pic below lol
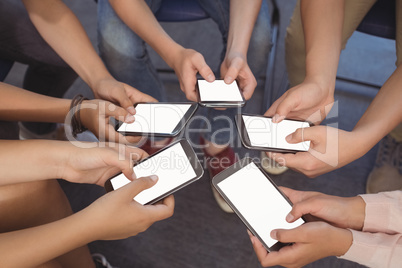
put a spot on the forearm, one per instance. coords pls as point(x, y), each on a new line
point(243, 15)
point(34, 246)
point(322, 25)
point(383, 114)
point(31, 160)
point(21, 105)
point(139, 18)
point(64, 33)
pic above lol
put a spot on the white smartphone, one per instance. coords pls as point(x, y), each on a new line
point(219, 94)
point(256, 199)
point(176, 166)
point(259, 133)
point(159, 119)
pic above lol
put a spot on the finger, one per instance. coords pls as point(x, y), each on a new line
point(135, 187)
point(289, 236)
point(259, 249)
point(119, 113)
point(304, 134)
point(309, 206)
point(288, 104)
point(122, 98)
point(137, 96)
point(233, 71)
point(189, 88)
point(162, 210)
point(272, 109)
point(132, 139)
point(202, 67)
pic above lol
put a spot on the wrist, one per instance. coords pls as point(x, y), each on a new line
point(358, 213)
point(326, 84)
point(343, 240)
point(170, 53)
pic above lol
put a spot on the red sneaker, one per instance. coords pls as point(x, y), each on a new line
point(150, 147)
point(215, 164)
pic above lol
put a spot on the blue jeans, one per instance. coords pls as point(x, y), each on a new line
point(126, 57)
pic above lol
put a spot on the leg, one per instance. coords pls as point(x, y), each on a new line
point(31, 204)
point(295, 49)
point(47, 73)
point(127, 59)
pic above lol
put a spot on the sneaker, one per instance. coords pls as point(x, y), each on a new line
point(216, 164)
point(57, 134)
point(271, 166)
point(101, 261)
point(387, 172)
point(150, 147)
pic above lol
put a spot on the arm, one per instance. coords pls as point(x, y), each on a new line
point(21, 105)
point(322, 24)
point(332, 148)
point(61, 29)
point(94, 164)
point(186, 62)
point(37, 245)
point(243, 15)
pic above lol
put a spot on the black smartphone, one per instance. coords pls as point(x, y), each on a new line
point(218, 94)
point(176, 166)
point(257, 132)
point(158, 119)
point(255, 198)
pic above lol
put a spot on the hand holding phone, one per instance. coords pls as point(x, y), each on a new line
point(218, 94)
point(176, 166)
point(259, 133)
point(256, 199)
point(159, 119)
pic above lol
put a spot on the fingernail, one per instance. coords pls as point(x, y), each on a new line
point(154, 177)
point(129, 118)
point(228, 79)
point(252, 240)
point(275, 118)
point(133, 176)
point(289, 137)
point(289, 217)
point(211, 78)
point(131, 110)
point(273, 234)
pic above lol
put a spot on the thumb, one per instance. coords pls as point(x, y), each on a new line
point(135, 187)
point(205, 71)
point(287, 105)
point(301, 135)
point(287, 236)
point(233, 70)
point(120, 114)
point(124, 101)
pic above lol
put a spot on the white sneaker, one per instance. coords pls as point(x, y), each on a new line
point(271, 166)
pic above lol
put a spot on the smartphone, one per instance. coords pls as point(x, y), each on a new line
point(219, 94)
point(259, 133)
point(158, 119)
point(176, 166)
point(256, 199)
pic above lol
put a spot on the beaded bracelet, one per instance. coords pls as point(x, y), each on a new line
point(76, 123)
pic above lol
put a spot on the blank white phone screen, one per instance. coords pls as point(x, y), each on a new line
point(258, 201)
point(156, 118)
point(219, 91)
point(263, 133)
point(172, 167)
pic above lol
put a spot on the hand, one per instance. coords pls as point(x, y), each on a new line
point(96, 114)
point(120, 93)
point(97, 164)
point(117, 216)
point(235, 67)
point(312, 241)
point(187, 64)
point(307, 101)
point(344, 212)
point(330, 148)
